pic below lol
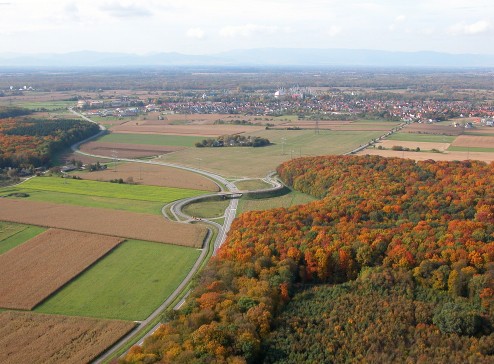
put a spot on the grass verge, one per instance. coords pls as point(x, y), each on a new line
point(252, 185)
point(207, 209)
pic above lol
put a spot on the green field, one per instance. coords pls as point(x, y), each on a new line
point(258, 162)
point(107, 189)
point(151, 139)
point(146, 207)
point(207, 209)
point(252, 185)
point(470, 149)
point(290, 199)
point(129, 283)
point(415, 137)
point(48, 105)
point(12, 234)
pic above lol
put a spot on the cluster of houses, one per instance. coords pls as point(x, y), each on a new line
point(299, 101)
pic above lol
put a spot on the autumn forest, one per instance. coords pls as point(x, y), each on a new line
point(393, 263)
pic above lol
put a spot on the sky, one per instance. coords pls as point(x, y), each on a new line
point(213, 26)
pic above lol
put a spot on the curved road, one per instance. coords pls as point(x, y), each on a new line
point(230, 213)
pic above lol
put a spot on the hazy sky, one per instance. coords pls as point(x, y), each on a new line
point(209, 26)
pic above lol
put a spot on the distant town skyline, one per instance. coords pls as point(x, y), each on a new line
point(207, 27)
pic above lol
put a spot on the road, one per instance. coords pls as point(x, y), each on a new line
point(230, 213)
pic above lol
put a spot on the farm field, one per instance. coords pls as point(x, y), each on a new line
point(110, 190)
point(134, 127)
point(434, 129)
point(129, 283)
point(207, 209)
point(416, 137)
point(471, 149)
point(290, 199)
point(48, 105)
point(12, 234)
point(102, 221)
point(445, 156)
point(150, 139)
point(121, 150)
point(148, 174)
point(27, 337)
point(210, 119)
point(474, 141)
point(342, 125)
point(146, 207)
point(258, 162)
point(388, 144)
point(34, 270)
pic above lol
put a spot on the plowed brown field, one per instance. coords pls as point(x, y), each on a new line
point(32, 338)
point(34, 270)
point(123, 150)
point(102, 221)
point(474, 141)
point(148, 174)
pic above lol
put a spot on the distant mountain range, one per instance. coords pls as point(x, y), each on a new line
point(272, 57)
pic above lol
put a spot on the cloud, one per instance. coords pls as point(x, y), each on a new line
point(334, 30)
point(196, 33)
point(72, 11)
point(248, 30)
point(400, 19)
point(129, 10)
point(480, 27)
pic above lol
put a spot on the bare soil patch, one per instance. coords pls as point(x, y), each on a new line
point(420, 156)
point(123, 150)
point(153, 175)
point(413, 145)
point(474, 141)
point(27, 337)
point(193, 130)
point(34, 270)
point(102, 221)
